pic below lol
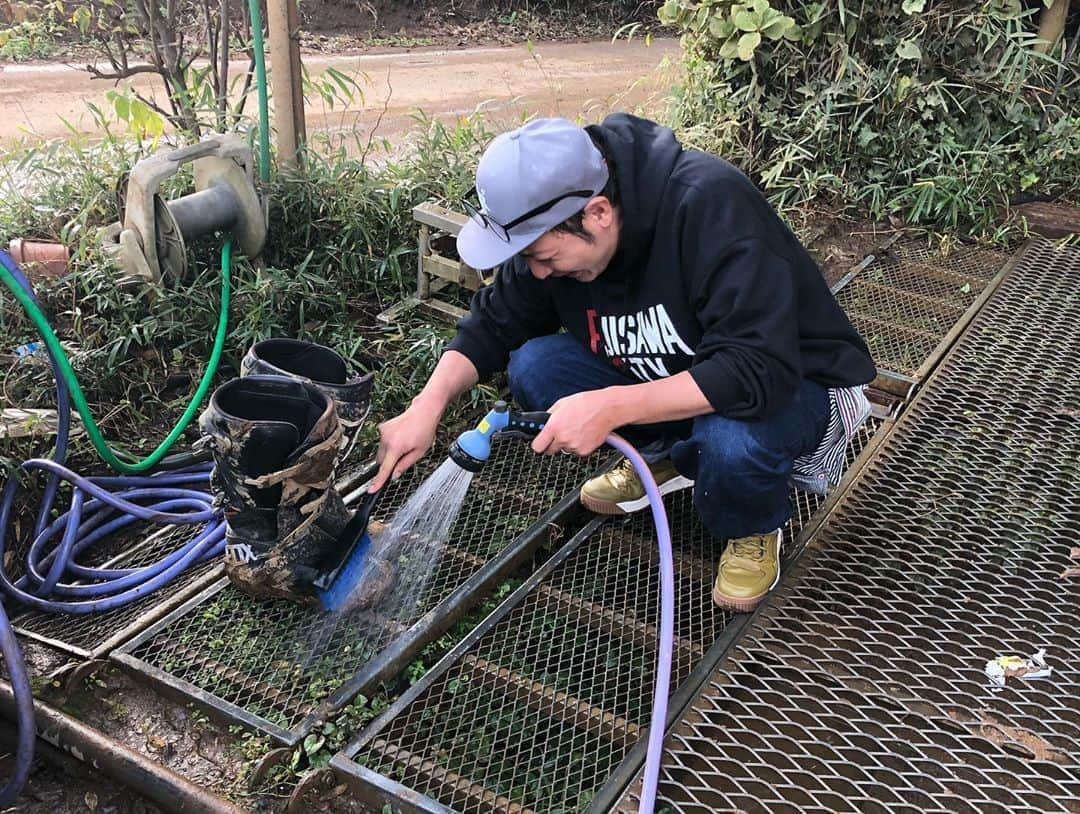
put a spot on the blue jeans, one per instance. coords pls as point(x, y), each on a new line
point(741, 469)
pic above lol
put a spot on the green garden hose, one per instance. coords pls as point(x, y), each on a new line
point(111, 457)
point(260, 82)
point(79, 400)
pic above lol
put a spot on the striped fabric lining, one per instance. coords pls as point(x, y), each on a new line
point(822, 468)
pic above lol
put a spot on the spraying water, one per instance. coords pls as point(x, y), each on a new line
point(403, 558)
point(415, 539)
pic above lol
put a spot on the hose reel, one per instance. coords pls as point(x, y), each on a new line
point(150, 242)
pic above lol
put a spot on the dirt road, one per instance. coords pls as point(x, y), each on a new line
point(568, 79)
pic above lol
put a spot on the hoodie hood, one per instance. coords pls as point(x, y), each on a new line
point(642, 152)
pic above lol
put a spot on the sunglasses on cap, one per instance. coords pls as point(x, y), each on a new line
point(502, 230)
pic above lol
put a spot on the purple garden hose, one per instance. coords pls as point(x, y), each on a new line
point(471, 451)
point(85, 523)
point(658, 723)
point(114, 502)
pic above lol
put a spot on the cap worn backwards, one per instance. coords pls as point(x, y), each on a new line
point(526, 170)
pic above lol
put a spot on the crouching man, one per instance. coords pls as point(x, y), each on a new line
point(651, 289)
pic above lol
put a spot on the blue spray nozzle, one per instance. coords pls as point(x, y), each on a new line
point(472, 448)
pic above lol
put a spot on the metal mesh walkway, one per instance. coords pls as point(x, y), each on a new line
point(909, 301)
point(541, 708)
point(282, 668)
point(860, 686)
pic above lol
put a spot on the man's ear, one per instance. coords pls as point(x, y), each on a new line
point(601, 211)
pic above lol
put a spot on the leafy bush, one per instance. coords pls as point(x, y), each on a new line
point(30, 31)
point(937, 110)
point(27, 40)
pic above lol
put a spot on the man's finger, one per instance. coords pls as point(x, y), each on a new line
point(386, 467)
point(543, 440)
point(403, 464)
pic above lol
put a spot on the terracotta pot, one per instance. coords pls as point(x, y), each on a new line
point(38, 259)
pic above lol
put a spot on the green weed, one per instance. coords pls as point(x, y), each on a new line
point(27, 40)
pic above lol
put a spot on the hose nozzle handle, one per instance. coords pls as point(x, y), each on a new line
point(525, 424)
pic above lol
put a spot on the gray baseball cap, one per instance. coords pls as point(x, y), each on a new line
point(528, 181)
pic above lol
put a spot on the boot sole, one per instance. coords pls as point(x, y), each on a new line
point(738, 605)
point(631, 506)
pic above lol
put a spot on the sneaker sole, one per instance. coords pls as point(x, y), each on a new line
point(631, 506)
point(738, 605)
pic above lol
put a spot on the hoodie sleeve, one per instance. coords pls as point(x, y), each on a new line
point(748, 362)
point(502, 316)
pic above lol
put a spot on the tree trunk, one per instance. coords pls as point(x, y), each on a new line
point(1052, 25)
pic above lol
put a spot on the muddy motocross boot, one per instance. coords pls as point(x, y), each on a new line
point(317, 365)
point(275, 443)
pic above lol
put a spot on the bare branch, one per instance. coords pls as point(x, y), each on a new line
point(122, 73)
point(155, 107)
point(248, 79)
point(378, 121)
point(223, 71)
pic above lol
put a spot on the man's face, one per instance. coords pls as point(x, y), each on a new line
point(561, 254)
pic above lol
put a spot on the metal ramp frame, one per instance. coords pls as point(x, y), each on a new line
point(860, 686)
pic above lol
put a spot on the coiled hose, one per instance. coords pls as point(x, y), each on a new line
point(99, 507)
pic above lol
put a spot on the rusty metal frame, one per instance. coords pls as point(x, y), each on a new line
point(74, 739)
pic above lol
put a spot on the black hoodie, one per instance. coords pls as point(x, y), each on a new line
point(706, 278)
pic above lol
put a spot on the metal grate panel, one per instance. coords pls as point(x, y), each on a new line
point(544, 702)
point(273, 664)
point(860, 686)
point(908, 299)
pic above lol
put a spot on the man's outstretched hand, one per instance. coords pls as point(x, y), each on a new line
point(403, 441)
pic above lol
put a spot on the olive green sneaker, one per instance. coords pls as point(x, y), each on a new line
point(620, 490)
point(749, 568)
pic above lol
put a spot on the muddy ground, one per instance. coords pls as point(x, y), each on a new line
point(180, 737)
